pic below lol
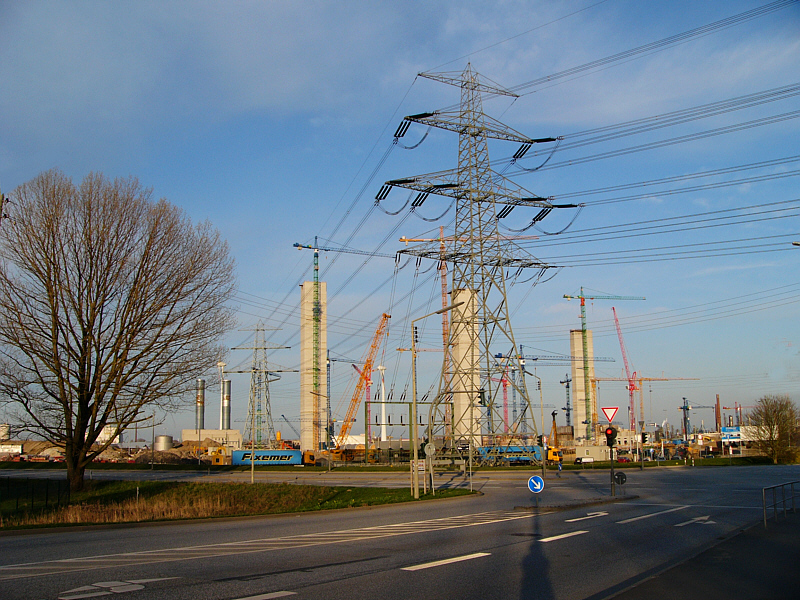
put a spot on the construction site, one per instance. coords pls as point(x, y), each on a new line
point(485, 405)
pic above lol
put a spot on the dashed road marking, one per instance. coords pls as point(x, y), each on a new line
point(647, 516)
point(250, 546)
point(563, 536)
point(446, 561)
point(269, 596)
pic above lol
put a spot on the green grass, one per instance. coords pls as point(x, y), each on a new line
point(131, 501)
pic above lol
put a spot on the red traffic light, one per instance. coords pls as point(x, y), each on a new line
point(611, 436)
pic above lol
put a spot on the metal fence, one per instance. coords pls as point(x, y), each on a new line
point(28, 495)
point(779, 499)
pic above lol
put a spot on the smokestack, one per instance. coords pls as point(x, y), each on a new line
point(226, 404)
point(200, 406)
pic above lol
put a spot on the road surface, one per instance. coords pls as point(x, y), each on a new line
point(581, 543)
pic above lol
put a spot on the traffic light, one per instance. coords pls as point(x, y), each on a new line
point(645, 437)
point(540, 440)
point(611, 436)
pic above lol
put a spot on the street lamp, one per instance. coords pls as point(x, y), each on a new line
point(413, 440)
point(541, 404)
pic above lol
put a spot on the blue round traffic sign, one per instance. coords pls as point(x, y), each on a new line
point(536, 484)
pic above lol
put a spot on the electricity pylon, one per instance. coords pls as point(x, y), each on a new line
point(260, 429)
point(480, 326)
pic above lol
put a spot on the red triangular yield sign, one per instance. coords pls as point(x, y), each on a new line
point(609, 412)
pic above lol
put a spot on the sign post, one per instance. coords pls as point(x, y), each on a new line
point(536, 485)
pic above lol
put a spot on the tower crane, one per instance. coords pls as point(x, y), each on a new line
point(737, 409)
point(443, 279)
point(639, 383)
point(567, 409)
point(590, 408)
point(316, 354)
point(686, 408)
point(631, 377)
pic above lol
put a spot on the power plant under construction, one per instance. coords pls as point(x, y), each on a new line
point(480, 408)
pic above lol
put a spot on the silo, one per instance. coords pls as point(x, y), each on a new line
point(200, 406)
point(226, 403)
point(163, 443)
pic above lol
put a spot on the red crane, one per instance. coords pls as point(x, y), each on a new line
point(631, 387)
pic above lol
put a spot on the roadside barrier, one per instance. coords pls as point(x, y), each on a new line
point(778, 502)
point(28, 495)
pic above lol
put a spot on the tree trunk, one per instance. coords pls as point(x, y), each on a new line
point(75, 478)
point(75, 473)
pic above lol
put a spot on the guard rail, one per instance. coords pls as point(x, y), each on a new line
point(776, 501)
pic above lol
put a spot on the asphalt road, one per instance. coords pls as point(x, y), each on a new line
point(492, 546)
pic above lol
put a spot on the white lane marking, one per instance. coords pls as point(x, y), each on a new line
point(270, 595)
point(562, 536)
point(259, 545)
point(106, 588)
point(446, 561)
point(701, 520)
point(647, 516)
point(591, 515)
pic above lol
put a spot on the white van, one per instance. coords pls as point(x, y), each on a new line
point(584, 460)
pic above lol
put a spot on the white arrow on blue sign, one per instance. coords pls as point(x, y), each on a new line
point(536, 484)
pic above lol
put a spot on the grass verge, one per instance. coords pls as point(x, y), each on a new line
point(131, 501)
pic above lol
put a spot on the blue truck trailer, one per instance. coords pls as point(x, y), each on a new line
point(272, 457)
point(509, 454)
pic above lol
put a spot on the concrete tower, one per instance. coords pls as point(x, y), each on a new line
point(584, 405)
point(313, 353)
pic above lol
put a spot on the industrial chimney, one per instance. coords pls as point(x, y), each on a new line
point(226, 404)
point(200, 406)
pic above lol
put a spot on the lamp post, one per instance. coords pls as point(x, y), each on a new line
point(413, 436)
point(541, 405)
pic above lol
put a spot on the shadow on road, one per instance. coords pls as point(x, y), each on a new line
point(535, 567)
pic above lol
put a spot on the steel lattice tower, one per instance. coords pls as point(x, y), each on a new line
point(481, 347)
point(259, 427)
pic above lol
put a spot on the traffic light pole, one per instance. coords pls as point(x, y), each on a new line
point(611, 454)
point(543, 451)
point(611, 438)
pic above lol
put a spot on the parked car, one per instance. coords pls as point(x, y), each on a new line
point(623, 459)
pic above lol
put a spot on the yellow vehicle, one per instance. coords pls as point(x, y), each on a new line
point(554, 455)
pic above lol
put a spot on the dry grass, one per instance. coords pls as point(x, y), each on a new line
point(127, 502)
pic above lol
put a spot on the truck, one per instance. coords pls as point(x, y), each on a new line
point(509, 454)
point(554, 455)
point(273, 457)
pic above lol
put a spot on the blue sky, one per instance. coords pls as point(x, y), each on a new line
point(271, 119)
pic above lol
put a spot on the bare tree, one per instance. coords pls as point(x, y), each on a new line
point(774, 421)
point(110, 304)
